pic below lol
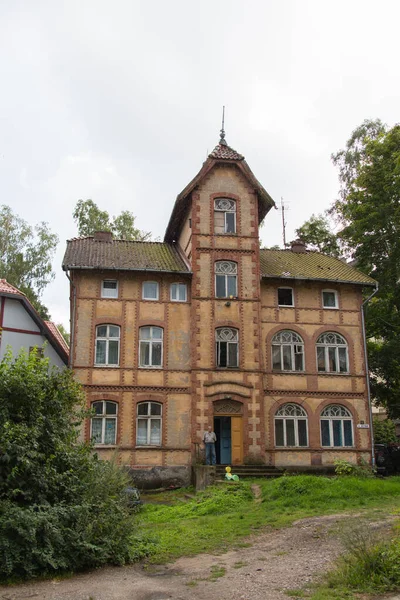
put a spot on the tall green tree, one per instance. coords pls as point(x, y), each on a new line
point(26, 255)
point(368, 211)
point(318, 235)
point(89, 218)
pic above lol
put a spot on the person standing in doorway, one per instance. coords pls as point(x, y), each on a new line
point(209, 440)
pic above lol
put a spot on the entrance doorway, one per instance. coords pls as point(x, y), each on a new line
point(229, 445)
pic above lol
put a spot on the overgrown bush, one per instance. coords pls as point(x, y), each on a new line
point(345, 468)
point(60, 507)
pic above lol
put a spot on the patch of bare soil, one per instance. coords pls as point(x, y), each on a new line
point(274, 562)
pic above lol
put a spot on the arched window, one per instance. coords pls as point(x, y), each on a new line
point(104, 423)
point(150, 346)
point(107, 345)
point(287, 351)
point(149, 421)
point(227, 347)
point(224, 215)
point(332, 354)
point(336, 426)
point(291, 426)
point(225, 279)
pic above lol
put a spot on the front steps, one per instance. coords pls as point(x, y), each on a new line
point(249, 471)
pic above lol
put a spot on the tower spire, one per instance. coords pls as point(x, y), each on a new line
point(222, 140)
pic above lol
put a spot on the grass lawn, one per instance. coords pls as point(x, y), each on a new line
point(223, 515)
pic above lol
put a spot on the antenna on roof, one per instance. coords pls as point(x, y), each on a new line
point(222, 140)
point(282, 208)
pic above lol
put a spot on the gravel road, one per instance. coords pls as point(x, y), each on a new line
point(275, 561)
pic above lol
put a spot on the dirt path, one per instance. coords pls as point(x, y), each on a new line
point(276, 561)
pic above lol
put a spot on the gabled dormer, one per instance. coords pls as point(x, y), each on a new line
point(224, 199)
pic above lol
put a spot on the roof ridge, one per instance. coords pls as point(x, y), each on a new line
point(91, 237)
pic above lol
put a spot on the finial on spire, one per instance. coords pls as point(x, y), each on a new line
point(222, 140)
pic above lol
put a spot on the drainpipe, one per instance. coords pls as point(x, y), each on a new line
point(71, 349)
point(367, 373)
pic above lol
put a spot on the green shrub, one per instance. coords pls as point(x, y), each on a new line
point(384, 431)
point(344, 468)
point(61, 508)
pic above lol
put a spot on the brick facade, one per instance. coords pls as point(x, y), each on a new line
point(190, 388)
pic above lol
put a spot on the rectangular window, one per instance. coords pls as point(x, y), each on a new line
point(342, 360)
point(276, 358)
point(230, 222)
point(220, 286)
point(287, 358)
point(329, 299)
point(325, 436)
point(290, 439)
point(141, 436)
point(227, 354)
point(109, 434)
point(97, 430)
point(321, 358)
point(332, 359)
point(38, 349)
point(113, 347)
point(150, 290)
point(109, 289)
point(302, 432)
point(178, 292)
point(348, 435)
point(279, 432)
point(337, 433)
point(285, 297)
point(155, 431)
point(101, 352)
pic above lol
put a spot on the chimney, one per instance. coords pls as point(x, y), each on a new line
point(298, 246)
point(103, 236)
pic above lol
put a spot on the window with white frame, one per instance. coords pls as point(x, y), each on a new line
point(150, 290)
point(227, 347)
point(224, 215)
point(285, 297)
point(148, 424)
point(225, 279)
point(287, 351)
point(109, 288)
point(291, 426)
point(332, 353)
point(150, 346)
point(330, 299)
point(336, 427)
point(104, 422)
point(107, 345)
point(178, 292)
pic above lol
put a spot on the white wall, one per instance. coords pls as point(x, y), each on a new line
point(16, 317)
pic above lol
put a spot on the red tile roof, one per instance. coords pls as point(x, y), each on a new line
point(7, 288)
point(58, 335)
point(47, 328)
point(225, 152)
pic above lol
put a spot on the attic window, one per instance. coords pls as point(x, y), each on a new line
point(285, 297)
point(109, 289)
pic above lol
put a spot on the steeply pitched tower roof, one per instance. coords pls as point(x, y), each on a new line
point(222, 153)
point(225, 152)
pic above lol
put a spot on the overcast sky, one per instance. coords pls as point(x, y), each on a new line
point(120, 101)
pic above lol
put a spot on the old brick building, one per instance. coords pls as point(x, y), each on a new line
point(206, 328)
